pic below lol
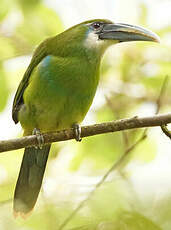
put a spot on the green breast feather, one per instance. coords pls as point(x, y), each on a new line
point(59, 93)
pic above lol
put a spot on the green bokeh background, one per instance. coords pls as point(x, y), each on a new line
point(131, 79)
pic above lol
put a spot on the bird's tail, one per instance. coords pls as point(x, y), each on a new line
point(30, 179)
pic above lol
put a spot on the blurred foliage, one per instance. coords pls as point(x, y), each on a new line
point(42, 18)
point(132, 79)
point(4, 90)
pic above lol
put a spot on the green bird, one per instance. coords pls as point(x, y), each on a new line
point(57, 90)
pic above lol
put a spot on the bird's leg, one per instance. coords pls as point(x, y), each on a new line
point(39, 137)
point(77, 131)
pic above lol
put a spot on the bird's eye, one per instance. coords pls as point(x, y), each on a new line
point(96, 25)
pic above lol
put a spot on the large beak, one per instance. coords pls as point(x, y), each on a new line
point(125, 32)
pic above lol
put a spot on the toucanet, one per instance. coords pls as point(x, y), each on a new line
point(57, 90)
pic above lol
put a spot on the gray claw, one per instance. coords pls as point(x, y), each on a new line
point(39, 137)
point(77, 131)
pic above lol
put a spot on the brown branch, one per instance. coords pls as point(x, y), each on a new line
point(161, 95)
point(166, 131)
point(91, 130)
point(164, 127)
point(124, 134)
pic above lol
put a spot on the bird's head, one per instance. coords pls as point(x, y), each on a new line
point(99, 34)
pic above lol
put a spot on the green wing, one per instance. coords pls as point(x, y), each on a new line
point(39, 54)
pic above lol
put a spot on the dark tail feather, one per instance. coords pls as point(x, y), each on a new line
point(30, 179)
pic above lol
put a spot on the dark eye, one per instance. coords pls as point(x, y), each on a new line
point(96, 25)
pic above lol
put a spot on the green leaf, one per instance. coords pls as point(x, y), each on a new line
point(7, 49)
point(39, 24)
point(5, 6)
point(28, 5)
point(4, 91)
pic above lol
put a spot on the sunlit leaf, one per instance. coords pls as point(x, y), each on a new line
point(4, 91)
point(39, 24)
point(4, 8)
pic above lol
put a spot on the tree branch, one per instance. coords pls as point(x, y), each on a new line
point(113, 126)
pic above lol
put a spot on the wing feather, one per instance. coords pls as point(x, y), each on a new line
point(38, 55)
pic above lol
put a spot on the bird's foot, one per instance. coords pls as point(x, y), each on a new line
point(39, 137)
point(77, 131)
